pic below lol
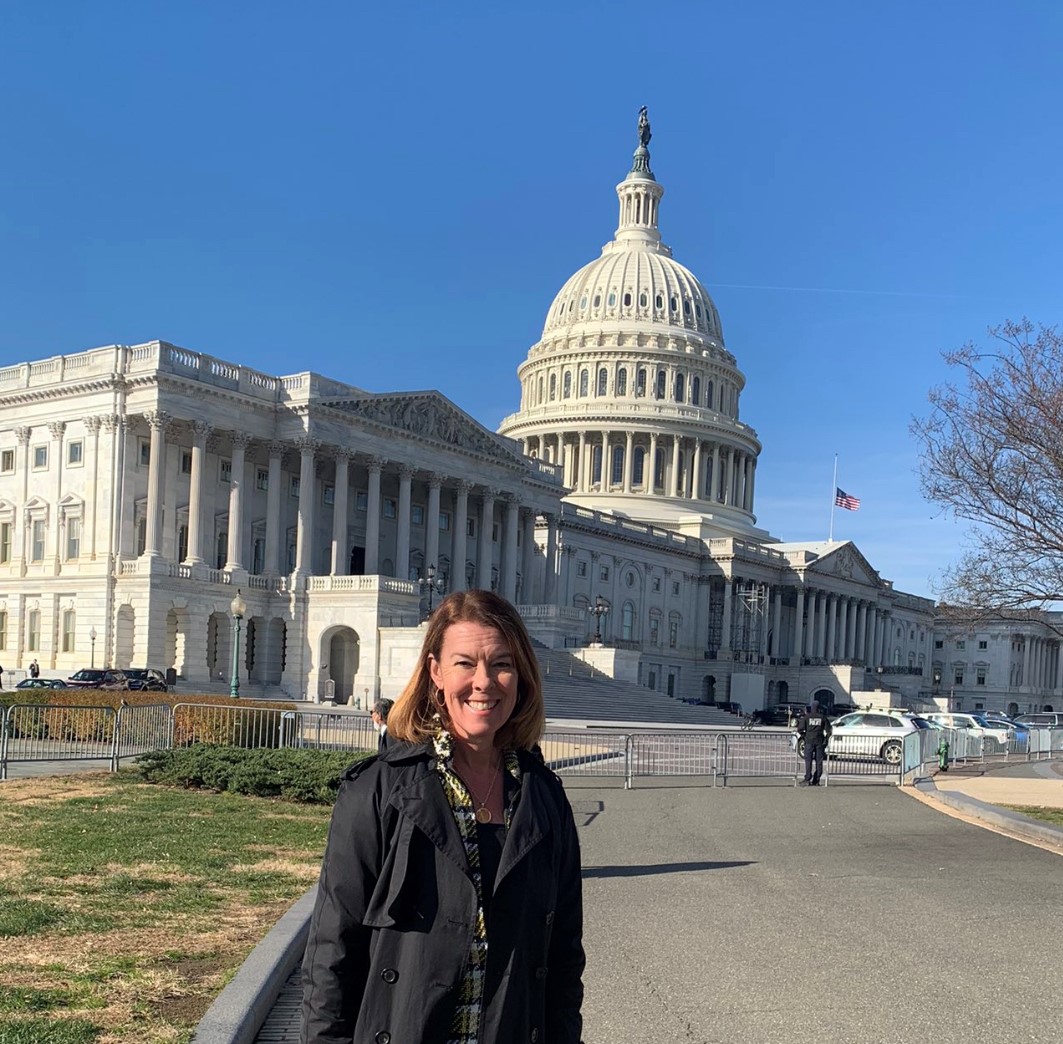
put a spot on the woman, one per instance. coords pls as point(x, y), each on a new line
point(449, 907)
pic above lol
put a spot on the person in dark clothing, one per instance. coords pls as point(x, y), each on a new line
point(35, 669)
point(814, 728)
point(449, 908)
point(380, 723)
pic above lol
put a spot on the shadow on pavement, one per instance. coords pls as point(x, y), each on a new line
point(649, 869)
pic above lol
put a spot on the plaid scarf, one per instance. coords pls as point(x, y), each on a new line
point(465, 1029)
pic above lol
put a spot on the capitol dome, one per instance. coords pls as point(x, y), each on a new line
point(630, 388)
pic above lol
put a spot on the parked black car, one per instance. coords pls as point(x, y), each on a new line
point(145, 679)
point(781, 714)
point(97, 678)
point(41, 683)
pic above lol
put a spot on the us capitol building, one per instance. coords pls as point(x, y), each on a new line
point(141, 486)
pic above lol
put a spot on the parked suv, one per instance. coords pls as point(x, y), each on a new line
point(868, 734)
point(97, 678)
point(780, 714)
point(1043, 718)
point(145, 679)
point(995, 735)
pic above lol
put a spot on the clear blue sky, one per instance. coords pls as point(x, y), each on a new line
point(392, 195)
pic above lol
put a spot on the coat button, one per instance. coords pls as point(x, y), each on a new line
point(550, 917)
point(390, 976)
point(540, 973)
point(534, 1036)
point(383, 1037)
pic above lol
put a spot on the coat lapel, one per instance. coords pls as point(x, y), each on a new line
point(425, 805)
point(529, 826)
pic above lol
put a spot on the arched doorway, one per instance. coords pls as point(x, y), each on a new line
point(708, 689)
point(824, 697)
point(124, 633)
point(176, 652)
point(783, 692)
point(339, 657)
point(219, 629)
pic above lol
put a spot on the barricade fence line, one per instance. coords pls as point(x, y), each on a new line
point(43, 732)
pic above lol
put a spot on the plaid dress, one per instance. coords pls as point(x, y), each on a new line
point(465, 1029)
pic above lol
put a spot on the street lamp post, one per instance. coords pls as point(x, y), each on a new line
point(433, 583)
point(599, 609)
point(238, 607)
point(92, 647)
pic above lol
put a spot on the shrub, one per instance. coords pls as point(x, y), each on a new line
point(297, 775)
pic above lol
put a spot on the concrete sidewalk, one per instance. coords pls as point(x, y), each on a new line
point(1038, 784)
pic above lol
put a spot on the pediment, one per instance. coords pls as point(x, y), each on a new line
point(847, 563)
point(431, 416)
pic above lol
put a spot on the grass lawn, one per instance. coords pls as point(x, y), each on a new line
point(125, 907)
point(1047, 815)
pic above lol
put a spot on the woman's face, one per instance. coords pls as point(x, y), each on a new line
point(478, 677)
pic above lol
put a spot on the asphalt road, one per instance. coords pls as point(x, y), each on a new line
point(762, 914)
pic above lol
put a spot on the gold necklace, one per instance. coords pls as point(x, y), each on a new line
point(482, 812)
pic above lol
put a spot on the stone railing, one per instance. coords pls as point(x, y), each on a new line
point(552, 612)
point(360, 583)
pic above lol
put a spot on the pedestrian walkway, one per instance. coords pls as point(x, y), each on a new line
point(772, 914)
point(1037, 784)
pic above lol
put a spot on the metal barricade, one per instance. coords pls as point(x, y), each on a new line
point(588, 754)
point(327, 730)
point(757, 753)
point(674, 754)
point(40, 732)
point(140, 729)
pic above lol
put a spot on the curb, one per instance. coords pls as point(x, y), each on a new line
point(1003, 818)
point(241, 1008)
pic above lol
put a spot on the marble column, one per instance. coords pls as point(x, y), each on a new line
point(676, 448)
point(812, 637)
point(750, 483)
point(57, 429)
point(832, 606)
point(649, 469)
point(714, 487)
point(509, 549)
point(274, 563)
point(431, 522)
point(698, 475)
point(582, 485)
point(402, 528)
point(861, 632)
point(92, 426)
point(740, 496)
point(729, 481)
point(458, 580)
point(234, 553)
point(843, 628)
point(341, 558)
point(629, 453)
point(527, 564)
point(550, 578)
point(201, 431)
point(725, 623)
point(158, 421)
point(374, 466)
point(304, 539)
point(486, 555)
point(799, 623)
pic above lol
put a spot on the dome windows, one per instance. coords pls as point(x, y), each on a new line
point(658, 302)
point(566, 386)
point(680, 387)
point(621, 381)
point(553, 386)
point(695, 390)
point(686, 306)
point(584, 383)
point(627, 299)
point(596, 303)
point(611, 299)
point(603, 382)
point(674, 303)
point(640, 382)
point(662, 379)
point(643, 299)
point(583, 303)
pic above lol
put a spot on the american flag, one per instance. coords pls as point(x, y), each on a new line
point(844, 500)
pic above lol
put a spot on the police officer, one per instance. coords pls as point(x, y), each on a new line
point(814, 728)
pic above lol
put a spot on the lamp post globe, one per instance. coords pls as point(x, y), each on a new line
point(92, 647)
point(238, 608)
point(599, 609)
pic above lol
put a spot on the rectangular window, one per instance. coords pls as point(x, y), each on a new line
point(33, 630)
point(293, 487)
point(983, 644)
point(328, 494)
point(655, 631)
point(225, 470)
point(40, 458)
point(37, 548)
point(182, 543)
point(656, 583)
point(68, 631)
point(980, 676)
point(961, 645)
point(75, 453)
point(144, 452)
point(73, 538)
point(581, 569)
point(142, 536)
point(673, 634)
point(3, 629)
point(939, 644)
point(470, 527)
point(391, 509)
point(603, 573)
point(186, 462)
point(417, 514)
point(494, 532)
point(7, 462)
point(5, 541)
point(262, 480)
point(361, 500)
point(444, 521)
point(958, 676)
point(675, 588)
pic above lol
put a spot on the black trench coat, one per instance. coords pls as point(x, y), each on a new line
point(393, 923)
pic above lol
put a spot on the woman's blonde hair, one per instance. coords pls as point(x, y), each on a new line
point(412, 717)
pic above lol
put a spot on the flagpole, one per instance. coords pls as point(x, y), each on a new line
point(833, 497)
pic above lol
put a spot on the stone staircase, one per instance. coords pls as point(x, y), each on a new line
point(575, 691)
